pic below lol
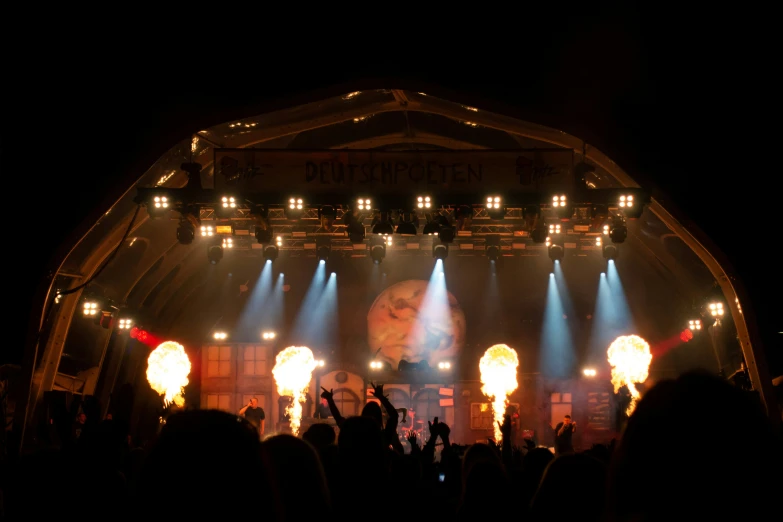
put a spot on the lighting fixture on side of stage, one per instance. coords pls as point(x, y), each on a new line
point(268, 336)
point(618, 231)
point(694, 324)
point(228, 242)
point(226, 206)
point(444, 365)
point(364, 204)
point(376, 365)
point(91, 308)
point(188, 222)
point(495, 208)
point(215, 254)
point(493, 246)
point(423, 202)
point(561, 205)
point(323, 248)
point(598, 241)
point(589, 372)
point(125, 323)
point(625, 201)
point(320, 363)
point(158, 205)
point(207, 231)
point(554, 229)
point(715, 309)
point(220, 336)
point(294, 208)
point(605, 230)
point(440, 251)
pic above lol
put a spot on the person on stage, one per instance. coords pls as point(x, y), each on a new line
point(564, 433)
point(255, 415)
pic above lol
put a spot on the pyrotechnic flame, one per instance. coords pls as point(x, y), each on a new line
point(168, 368)
point(293, 370)
point(630, 358)
point(498, 369)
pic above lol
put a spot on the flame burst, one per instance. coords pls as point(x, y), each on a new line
point(168, 368)
point(498, 368)
point(630, 358)
point(293, 370)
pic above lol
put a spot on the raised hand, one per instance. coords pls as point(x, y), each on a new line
point(412, 438)
point(435, 427)
point(326, 394)
point(377, 390)
point(505, 427)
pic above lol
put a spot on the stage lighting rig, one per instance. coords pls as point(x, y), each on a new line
point(207, 231)
point(408, 223)
point(589, 372)
point(556, 252)
point(495, 208)
point(364, 204)
point(188, 222)
point(493, 246)
point(268, 336)
point(610, 252)
point(215, 254)
point(444, 365)
point(228, 242)
point(618, 231)
point(555, 229)
point(294, 209)
point(376, 365)
point(605, 230)
point(226, 206)
point(91, 308)
point(561, 205)
point(715, 309)
point(598, 241)
point(424, 203)
point(158, 205)
point(327, 214)
point(631, 203)
point(271, 252)
point(378, 248)
point(440, 251)
point(323, 248)
point(381, 224)
point(220, 336)
point(695, 325)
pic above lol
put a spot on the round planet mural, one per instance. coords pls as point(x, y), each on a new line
point(401, 325)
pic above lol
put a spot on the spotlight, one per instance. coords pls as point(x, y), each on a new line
point(495, 209)
point(376, 365)
point(363, 204)
point(207, 231)
point(424, 202)
point(263, 235)
point(409, 224)
point(554, 229)
point(271, 252)
point(220, 336)
point(618, 232)
point(389, 241)
point(625, 201)
point(279, 241)
point(295, 208)
point(125, 324)
point(694, 324)
point(228, 242)
point(715, 309)
point(215, 254)
point(381, 224)
point(631, 205)
point(90, 309)
point(440, 251)
point(561, 205)
point(610, 252)
point(320, 363)
point(598, 241)
point(444, 365)
point(268, 336)
point(158, 205)
point(378, 249)
point(605, 230)
point(323, 249)
point(589, 372)
point(556, 252)
point(226, 206)
point(493, 246)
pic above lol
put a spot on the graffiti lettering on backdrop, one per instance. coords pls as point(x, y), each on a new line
point(404, 172)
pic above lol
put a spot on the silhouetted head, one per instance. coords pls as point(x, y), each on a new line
point(373, 411)
point(361, 443)
point(535, 462)
point(477, 453)
point(198, 449)
point(298, 473)
point(320, 435)
point(579, 478)
point(696, 446)
point(486, 480)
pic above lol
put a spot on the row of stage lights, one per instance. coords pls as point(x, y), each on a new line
point(611, 226)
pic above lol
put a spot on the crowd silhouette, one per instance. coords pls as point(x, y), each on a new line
point(694, 447)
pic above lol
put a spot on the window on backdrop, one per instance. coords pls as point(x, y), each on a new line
point(219, 361)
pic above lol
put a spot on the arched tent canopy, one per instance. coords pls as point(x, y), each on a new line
point(159, 278)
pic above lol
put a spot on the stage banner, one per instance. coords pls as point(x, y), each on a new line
point(401, 172)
